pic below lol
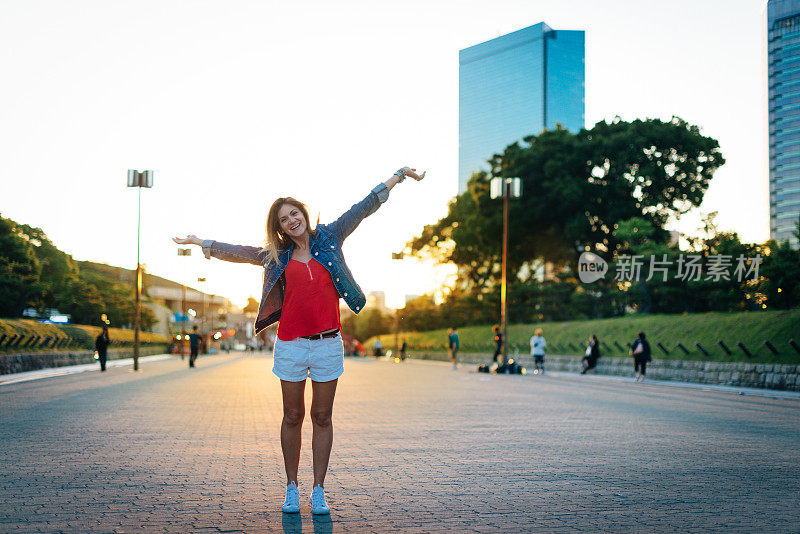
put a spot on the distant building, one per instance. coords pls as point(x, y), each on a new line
point(166, 299)
point(377, 300)
point(516, 85)
point(206, 308)
point(783, 102)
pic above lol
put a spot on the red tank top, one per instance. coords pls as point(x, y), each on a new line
point(311, 302)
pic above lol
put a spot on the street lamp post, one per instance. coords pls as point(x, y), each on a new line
point(183, 252)
point(396, 256)
point(506, 188)
point(211, 317)
point(203, 325)
point(139, 180)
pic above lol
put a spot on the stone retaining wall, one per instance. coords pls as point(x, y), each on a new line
point(753, 375)
point(33, 361)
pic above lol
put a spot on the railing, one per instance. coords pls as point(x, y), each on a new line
point(614, 348)
point(617, 349)
point(36, 342)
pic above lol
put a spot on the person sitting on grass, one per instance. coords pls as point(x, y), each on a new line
point(592, 354)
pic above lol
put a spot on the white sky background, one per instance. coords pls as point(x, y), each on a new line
point(234, 103)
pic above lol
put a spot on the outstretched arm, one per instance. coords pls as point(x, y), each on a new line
point(402, 174)
point(349, 221)
point(225, 251)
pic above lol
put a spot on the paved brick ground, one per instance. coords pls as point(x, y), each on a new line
point(418, 447)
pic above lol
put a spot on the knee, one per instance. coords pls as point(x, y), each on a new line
point(322, 419)
point(292, 417)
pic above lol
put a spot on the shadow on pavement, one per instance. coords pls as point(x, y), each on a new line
point(322, 524)
point(292, 523)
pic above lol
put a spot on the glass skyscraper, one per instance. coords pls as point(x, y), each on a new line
point(783, 75)
point(517, 85)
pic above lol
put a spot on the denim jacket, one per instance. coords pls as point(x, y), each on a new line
point(326, 248)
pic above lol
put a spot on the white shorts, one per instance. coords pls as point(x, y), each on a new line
point(321, 359)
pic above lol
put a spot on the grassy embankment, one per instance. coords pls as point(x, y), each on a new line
point(66, 337)
point(751, 328)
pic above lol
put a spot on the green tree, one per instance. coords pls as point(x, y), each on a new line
point(57, 267)
point(251, 306)
point(20, 272)
point(420, 313)
point(116, 298)
point(577, 188)
point(82, 301)
point(674, 291)
point(780, 275)
point(34, 272)
point(368, 323)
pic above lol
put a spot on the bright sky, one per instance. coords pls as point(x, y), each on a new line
point(234, 103)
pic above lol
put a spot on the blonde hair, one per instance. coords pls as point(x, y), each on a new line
point(277, 241)
point(538, 332)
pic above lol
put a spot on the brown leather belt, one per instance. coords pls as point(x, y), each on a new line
point(321, 336)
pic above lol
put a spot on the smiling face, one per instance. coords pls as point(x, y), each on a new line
point(291, 221)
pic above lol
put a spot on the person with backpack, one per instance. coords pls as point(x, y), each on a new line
point(453, 345)
point(640, 350)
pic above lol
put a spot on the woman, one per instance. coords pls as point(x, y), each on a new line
point(592, 354)
point(538, 344)
point(101, 346)
point(305, 275)
point(640, 350)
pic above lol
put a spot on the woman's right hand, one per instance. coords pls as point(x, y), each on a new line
point(188, 240)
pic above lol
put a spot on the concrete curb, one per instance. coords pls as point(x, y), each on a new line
point(73, 369)
point(732, 374)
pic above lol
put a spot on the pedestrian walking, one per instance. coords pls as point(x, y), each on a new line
point(498, 343)
point(592, 354)
point(101, 347)
point(377, 347)
point(194, 345)
point(640, 350)
point(538, 344)
point(403, 348)
point(305, 275)
point(453, 345)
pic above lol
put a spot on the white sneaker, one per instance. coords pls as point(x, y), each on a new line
point(292, 503)
point(318, 504)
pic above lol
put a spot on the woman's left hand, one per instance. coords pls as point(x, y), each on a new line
point(412, 173)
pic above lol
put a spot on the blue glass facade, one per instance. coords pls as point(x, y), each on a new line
point(783, 71)
point(517, 85)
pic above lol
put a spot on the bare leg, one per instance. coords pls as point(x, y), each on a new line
point(322, 437)
point(292, 425)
